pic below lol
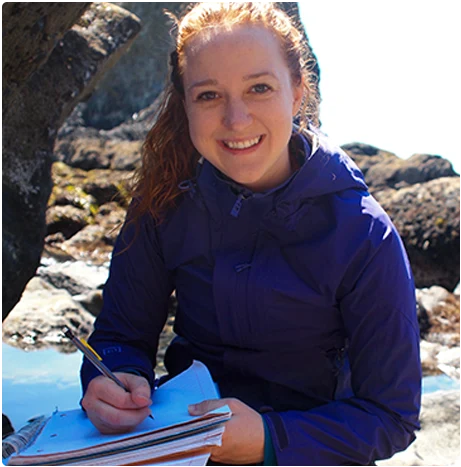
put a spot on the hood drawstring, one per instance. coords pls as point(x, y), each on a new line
point(192, 190)
point(188, 185)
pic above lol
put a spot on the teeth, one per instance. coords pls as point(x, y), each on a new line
point(242, 144)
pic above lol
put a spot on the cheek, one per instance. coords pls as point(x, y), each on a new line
point(200, 124)
point(193, 126)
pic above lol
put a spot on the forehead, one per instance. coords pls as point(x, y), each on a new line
point(225, 49)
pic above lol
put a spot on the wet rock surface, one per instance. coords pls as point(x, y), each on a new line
point(55, 55)
point(427, 218)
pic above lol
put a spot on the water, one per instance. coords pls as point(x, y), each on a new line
point(36, 383)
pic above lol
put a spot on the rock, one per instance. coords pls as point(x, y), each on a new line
point(76, 277)
point(85, 213)
point(90, 244)
point(91, 301)
point(383, 169)
point(67, 220)
point(7, 427)
point(41, 314)
point(99, 236)
point(148, 56)
point(107, 186)
point(456, 291)
point(441, 309)
point(427, 218)
point(438, 441)
point(89, 189)
point(430, 298)
point(39, 317)
point(429, 352)
point(449, 362)
point(99, 152)
point(47, 74)
point(33, 31)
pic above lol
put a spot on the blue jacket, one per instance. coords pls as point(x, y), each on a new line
point(299, 300)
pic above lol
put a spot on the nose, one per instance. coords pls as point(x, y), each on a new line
point(237, 115)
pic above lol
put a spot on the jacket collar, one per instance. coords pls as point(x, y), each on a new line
point(326, 169)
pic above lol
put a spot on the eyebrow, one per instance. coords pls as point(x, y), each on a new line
point(214, 82)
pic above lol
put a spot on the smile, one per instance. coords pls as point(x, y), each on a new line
point(242, 144)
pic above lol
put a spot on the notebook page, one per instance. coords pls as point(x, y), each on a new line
point(73, 431)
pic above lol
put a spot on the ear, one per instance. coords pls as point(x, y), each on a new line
point(298, 94)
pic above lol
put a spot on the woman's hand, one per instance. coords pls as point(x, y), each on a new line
point(112, 409)
point(243, 439)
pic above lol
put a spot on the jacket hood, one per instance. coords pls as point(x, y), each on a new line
point(326, 169)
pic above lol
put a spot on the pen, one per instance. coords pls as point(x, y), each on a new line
point(94, 358)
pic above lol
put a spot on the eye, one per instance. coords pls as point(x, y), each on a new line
point(261, 88)
point(207, 96)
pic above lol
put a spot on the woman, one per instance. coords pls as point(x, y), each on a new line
point(293, 286)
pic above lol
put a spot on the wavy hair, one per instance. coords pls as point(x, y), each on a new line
point(168, 155)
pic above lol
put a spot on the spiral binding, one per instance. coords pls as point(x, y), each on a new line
point(16, 442)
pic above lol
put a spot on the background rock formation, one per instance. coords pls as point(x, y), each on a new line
point(427, 217)
point(383, 169)
point(47, 69)
point(139, 76)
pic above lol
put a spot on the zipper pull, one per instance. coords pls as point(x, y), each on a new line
point(237, 205)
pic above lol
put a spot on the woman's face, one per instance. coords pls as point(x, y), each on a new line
point(240, 102)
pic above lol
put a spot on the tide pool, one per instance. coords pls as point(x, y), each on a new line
point(38, 382)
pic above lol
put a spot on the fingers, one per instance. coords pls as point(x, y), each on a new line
point(114, 410)
point(104, 389)
point(109, 419)
point(212, 404)
point(139, 389)
point(243, 438)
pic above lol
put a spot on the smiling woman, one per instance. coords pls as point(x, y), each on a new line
point(240, 102)
point(292, 283)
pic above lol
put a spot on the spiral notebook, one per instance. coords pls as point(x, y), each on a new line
point(69, 437)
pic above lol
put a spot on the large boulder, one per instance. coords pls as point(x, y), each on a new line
point(48, 68)
point(148, 56)
point(39, 317)
point(384, 169)
point(427, 217)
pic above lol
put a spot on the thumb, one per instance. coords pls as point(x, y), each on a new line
point(206, 406)
point(140, 390)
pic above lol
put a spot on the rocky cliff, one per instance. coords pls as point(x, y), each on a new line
point(53, 56)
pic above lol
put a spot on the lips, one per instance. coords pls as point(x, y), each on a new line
point(242, 143)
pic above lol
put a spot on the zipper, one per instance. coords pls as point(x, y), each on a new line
point(235, 211)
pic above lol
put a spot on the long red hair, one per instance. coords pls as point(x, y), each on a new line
point(168, 155)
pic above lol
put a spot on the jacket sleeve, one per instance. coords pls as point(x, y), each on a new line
point(136, 296)
point(379, 314)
